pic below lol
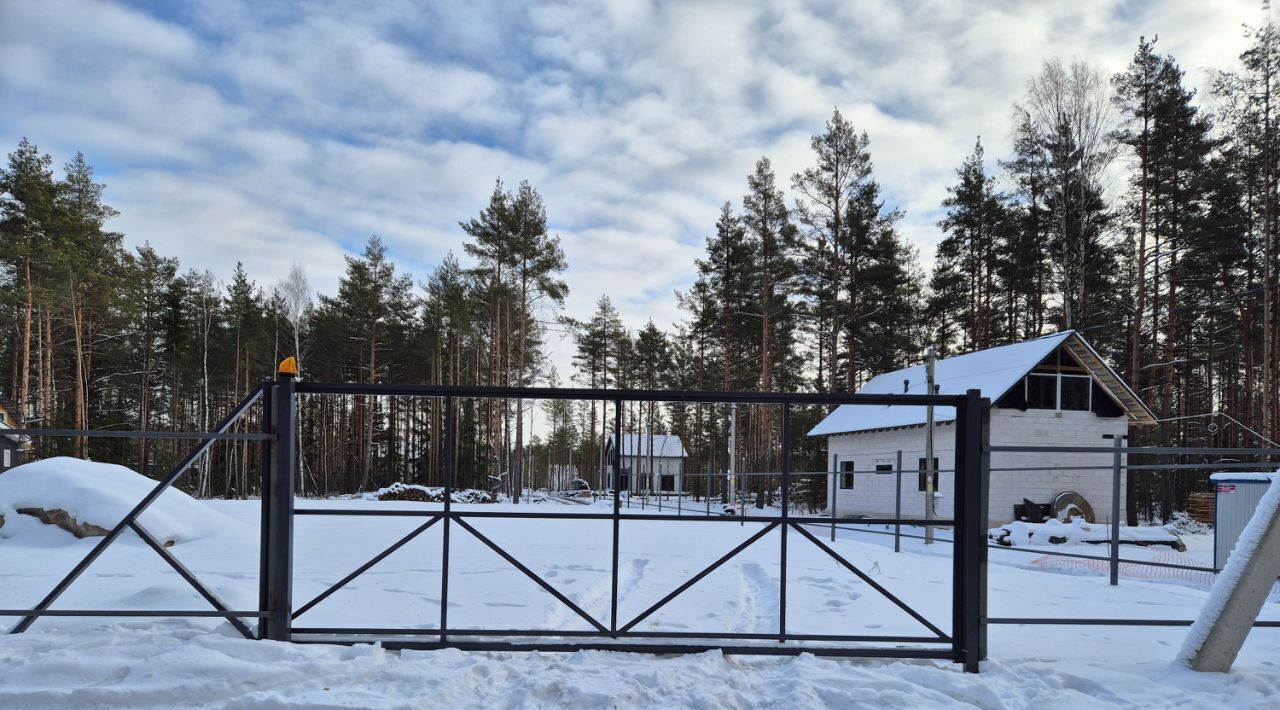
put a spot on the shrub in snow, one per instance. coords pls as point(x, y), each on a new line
point(424, 494)
point(87, 498)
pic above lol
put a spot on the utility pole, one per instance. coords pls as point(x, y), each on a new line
point(930, 358)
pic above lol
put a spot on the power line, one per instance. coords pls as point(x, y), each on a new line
point(1202, 305)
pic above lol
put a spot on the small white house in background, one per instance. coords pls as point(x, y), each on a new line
point(665, 468)
point(1051, 391)
point(12, 446)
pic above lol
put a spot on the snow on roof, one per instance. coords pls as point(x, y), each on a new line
point(993, 371)
point(1244, 476)
point(664, 445)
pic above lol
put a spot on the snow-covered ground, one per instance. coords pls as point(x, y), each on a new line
point(65, 662)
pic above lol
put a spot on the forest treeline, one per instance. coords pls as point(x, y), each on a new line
point(1130, 208)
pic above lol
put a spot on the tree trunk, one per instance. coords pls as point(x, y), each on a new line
point(24, 382)
point(78, 403)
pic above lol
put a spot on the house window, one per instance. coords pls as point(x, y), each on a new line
point(884, 468)
point(1075, 393)
point(846, 475)
point(1042, 391)
point(8, 458)
point(922, 475)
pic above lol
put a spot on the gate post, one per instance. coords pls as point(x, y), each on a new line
point(264, 493)
point(279, 530)
point(449, 433)
point(973, 464)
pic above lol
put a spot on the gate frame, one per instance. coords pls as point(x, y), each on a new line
point(966, 643)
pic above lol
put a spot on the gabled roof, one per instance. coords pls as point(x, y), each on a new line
point(664, 445)
point(994, 371)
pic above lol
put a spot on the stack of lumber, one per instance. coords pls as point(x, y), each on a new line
point(1200, 507)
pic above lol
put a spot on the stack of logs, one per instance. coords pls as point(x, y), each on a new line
point(1200, 507)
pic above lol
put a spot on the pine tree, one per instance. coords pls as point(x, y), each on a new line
point(150, 277)
point(88, 260)
point(1136, 97)
point(966, 290)
point(842, 165)
point(596, 359)
point(1025, 268)
point(651, 361)
point(371, 312)
point(772, 239)
point(27, 199)
point(536, 262)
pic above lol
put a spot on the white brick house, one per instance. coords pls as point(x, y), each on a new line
point(1051, 391)
point(664, 468)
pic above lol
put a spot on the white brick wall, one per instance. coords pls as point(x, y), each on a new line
point(873, 494)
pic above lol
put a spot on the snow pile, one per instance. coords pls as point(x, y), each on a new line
point(1246, 545)
point(100, 495)
point(1056, 532)
point(173, 665)
point(428, 494)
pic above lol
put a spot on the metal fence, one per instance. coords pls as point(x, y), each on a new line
point(964, 641)
point(1122, 464)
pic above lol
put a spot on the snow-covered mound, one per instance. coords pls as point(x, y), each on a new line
point(426, 494)
point(101, 494)
point(1056, 532)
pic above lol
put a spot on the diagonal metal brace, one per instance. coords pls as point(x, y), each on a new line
point(187, 574)
point(364, 567)
point(142, 505)
point(698, 577)
point(874, 585)
point(530, 574)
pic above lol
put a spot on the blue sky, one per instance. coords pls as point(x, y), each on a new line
point(275, 132)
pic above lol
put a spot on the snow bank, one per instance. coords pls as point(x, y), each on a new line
point(101, 494)
point(171, 665)
point(1239, 559)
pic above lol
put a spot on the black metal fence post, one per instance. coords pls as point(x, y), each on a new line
point(264, 490)
point(1115, 513)
point(969, 599)
point(448, 511)
point(897, 504)
point(833, 484)
point(983, 496)
point(786, 513)
point(280, 514)
point(617, 468)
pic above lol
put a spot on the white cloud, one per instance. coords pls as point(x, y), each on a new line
point(270, 133)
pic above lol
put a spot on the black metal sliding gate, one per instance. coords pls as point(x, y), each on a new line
point(964, 643)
